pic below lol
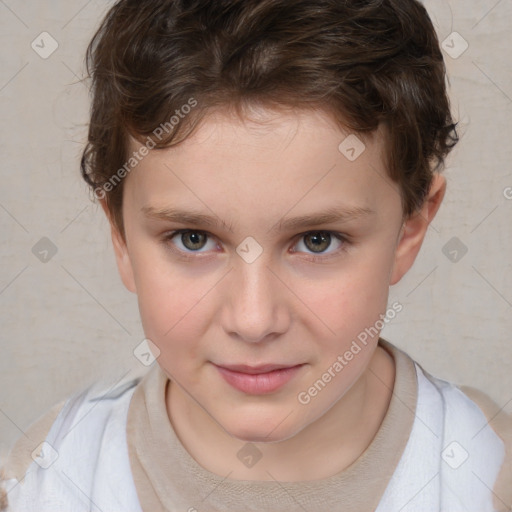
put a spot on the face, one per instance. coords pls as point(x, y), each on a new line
point(228, 269)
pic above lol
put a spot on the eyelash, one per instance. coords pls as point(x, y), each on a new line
point(311, 257)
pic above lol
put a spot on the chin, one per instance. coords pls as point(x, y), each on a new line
point(259, 428)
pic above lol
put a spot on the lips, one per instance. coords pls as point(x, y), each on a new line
point(258, 380)
point(254, 370)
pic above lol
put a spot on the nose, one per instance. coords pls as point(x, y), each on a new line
point(256, 307)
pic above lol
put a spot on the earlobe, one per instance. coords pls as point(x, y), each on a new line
point(124, 264)
point(414, 229)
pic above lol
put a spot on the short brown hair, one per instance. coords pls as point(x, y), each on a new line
point(365, 62)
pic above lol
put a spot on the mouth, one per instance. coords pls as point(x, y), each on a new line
point(257, 380)
point(254, 370)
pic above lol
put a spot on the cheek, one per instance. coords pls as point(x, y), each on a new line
point(167, 296)
point(171, 311)
point(351, 299)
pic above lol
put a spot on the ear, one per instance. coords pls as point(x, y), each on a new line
point(414, 229)
point(124, 264)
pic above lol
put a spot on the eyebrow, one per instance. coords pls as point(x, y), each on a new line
point(331, 215)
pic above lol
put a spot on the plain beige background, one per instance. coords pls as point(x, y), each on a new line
point(69, 321)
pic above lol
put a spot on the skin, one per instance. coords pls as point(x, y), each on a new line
point(214, 307)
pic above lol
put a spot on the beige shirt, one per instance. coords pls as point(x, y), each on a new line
point(167, 478)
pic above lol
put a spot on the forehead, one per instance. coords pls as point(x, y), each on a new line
point(270, 127)
point(273, 162)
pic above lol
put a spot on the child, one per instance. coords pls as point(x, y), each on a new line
point(269, 169)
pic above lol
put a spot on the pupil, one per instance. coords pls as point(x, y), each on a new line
point(318, 239)
point(194, 237)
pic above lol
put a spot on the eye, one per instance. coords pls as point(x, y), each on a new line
point(193, 241)
point(318, 241)
point(190, 240)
